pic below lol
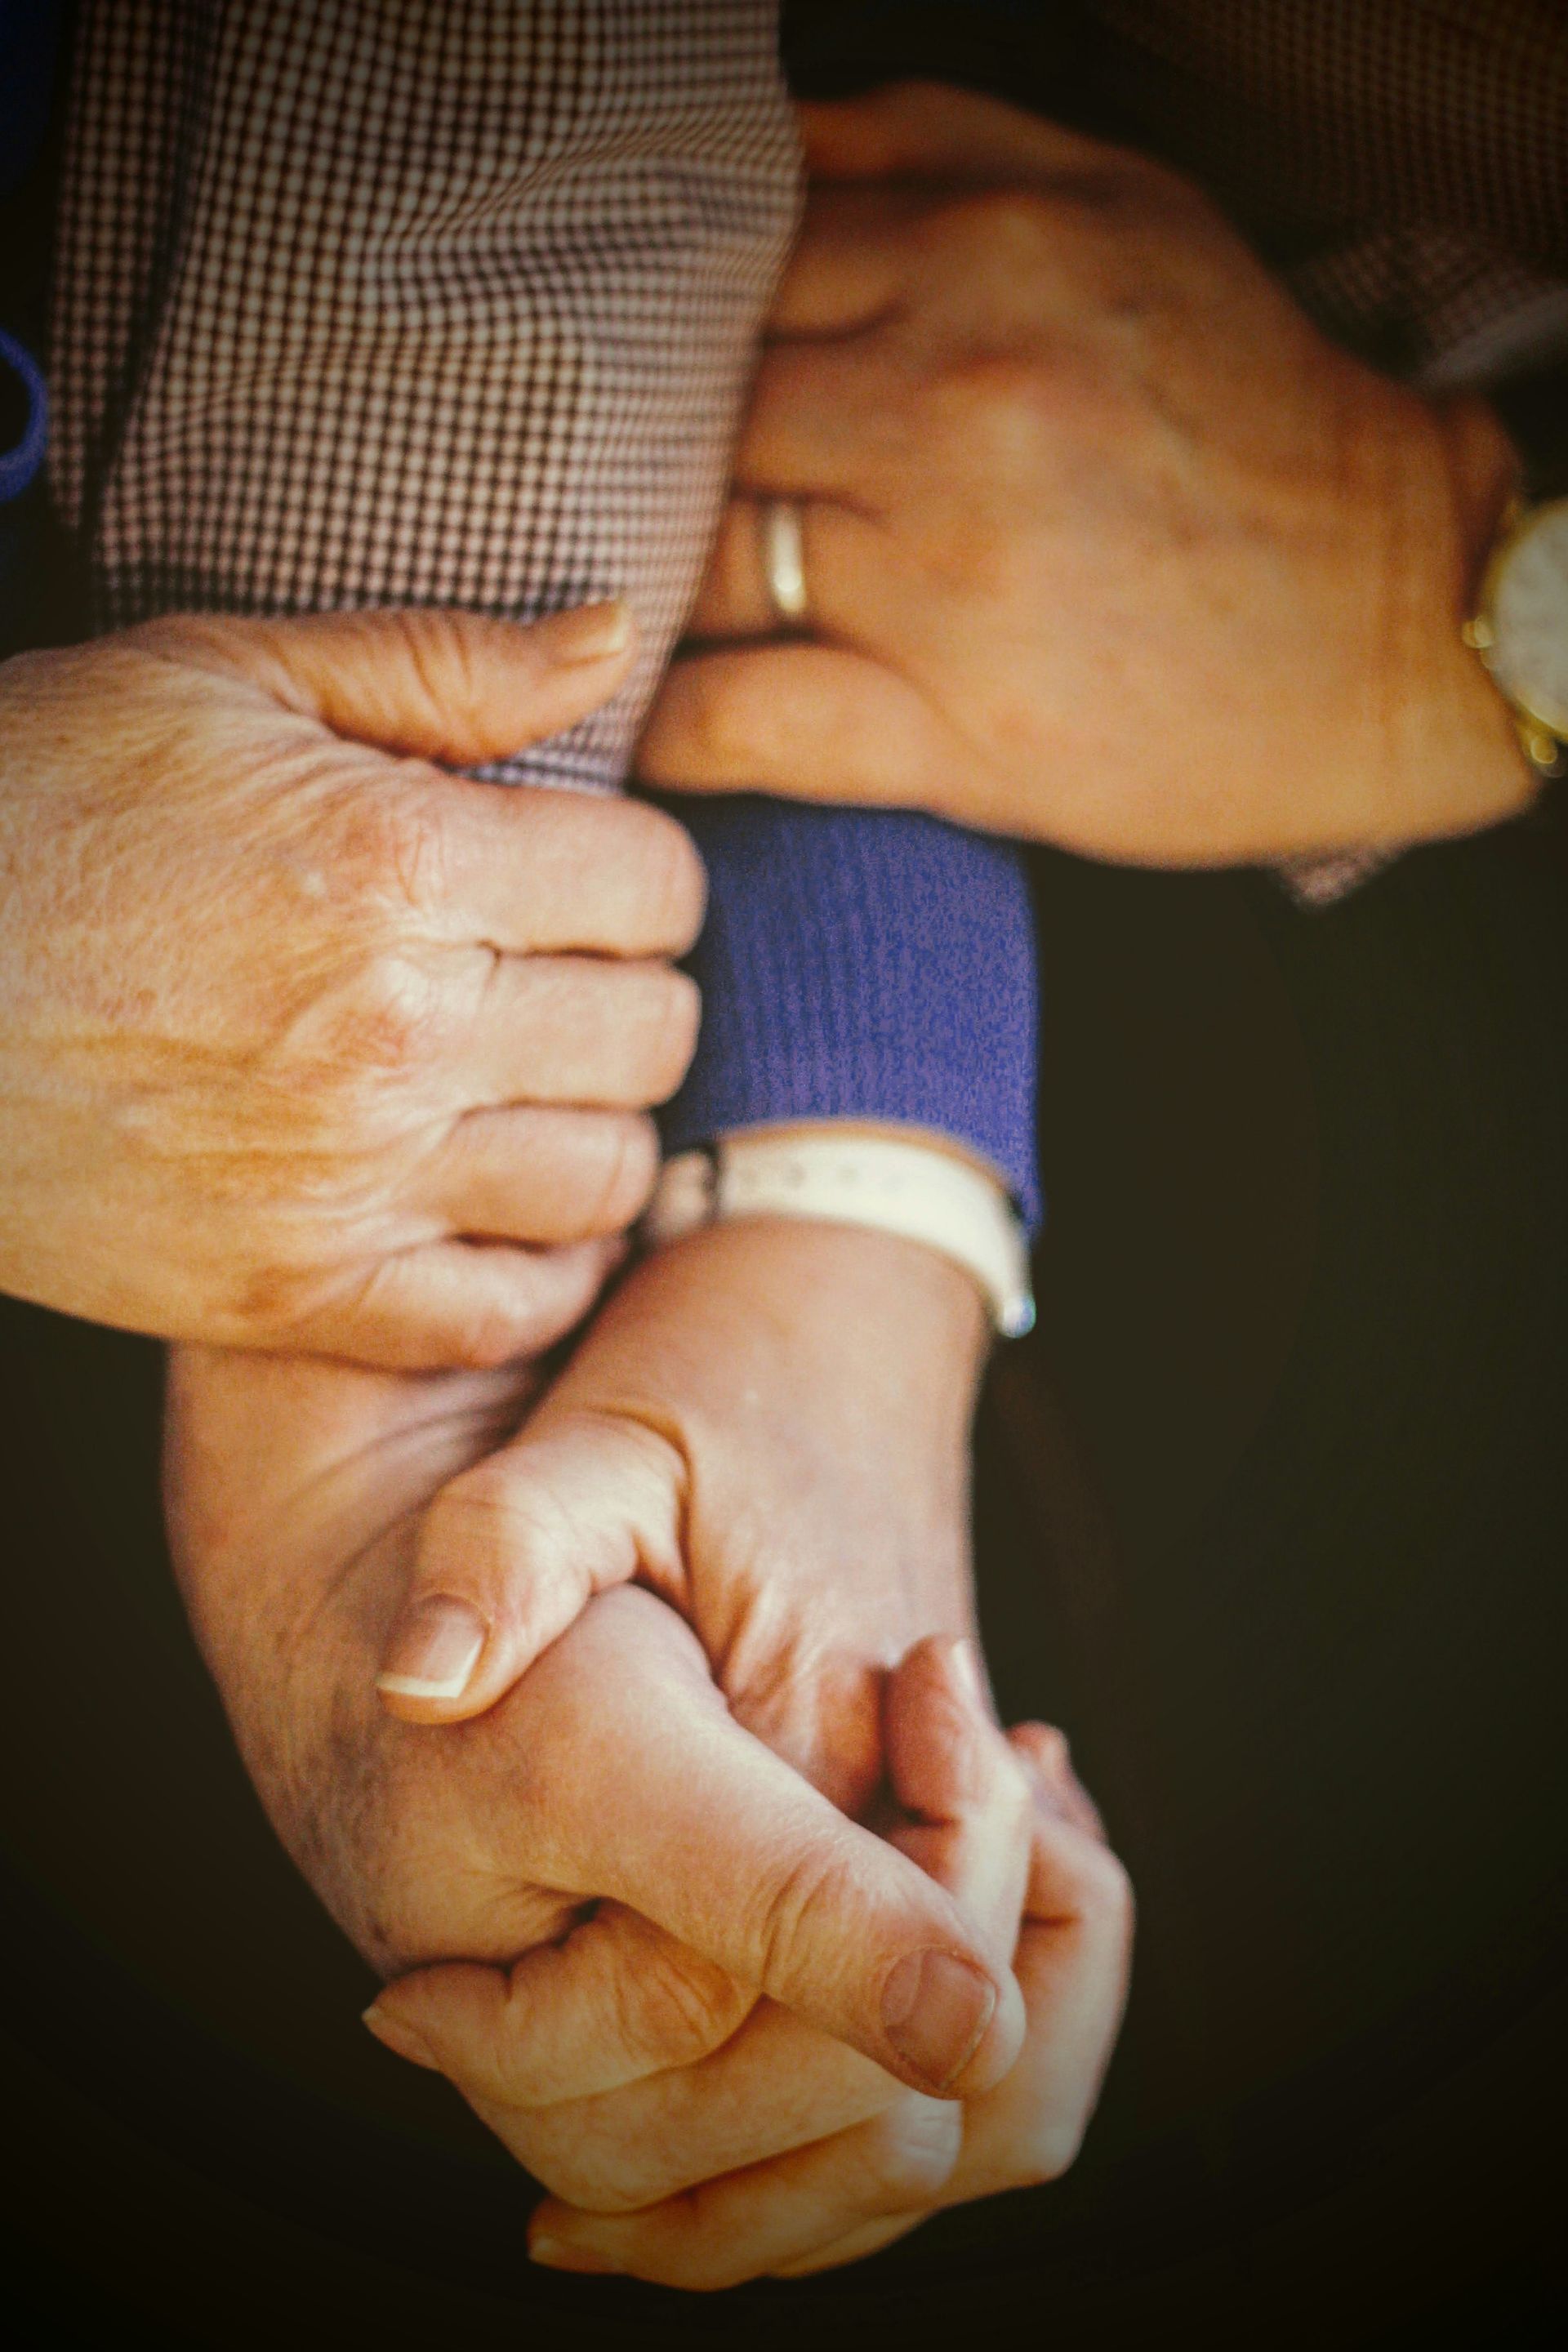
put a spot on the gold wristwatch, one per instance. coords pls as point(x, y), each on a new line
point(1521, 631)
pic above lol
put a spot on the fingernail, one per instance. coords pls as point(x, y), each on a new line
point(595, 633)
point(934, 2011)
point(554, 2254)
point(400, 2039)
point(434, 1650)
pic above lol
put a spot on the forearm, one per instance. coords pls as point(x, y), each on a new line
point(469, 295)
point(293, 1489)
point(572, 436)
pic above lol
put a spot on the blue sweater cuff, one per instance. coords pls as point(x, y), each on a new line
point(860, 964)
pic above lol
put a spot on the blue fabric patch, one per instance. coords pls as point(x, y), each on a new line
point(21, 460)
point(863, 963)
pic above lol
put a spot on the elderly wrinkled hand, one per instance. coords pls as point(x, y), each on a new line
point(781, 2151)
point(305, 1040)
point(1104, 543)
point(768, 1425)
point(643, 1865)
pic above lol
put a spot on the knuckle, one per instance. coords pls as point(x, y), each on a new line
point(619, 1190)
point(283, 1306)
point(418, 858)
point(488, 1337)
point(716, 717)
point(1153, 189)
point(270, 1302)
point(1107, 1895)
point(701, 2269)
point(996, 410)
point(493, 1330)
point(393, 844)
point(438, 647)
point(469, 1519)
point(909, 104)
point(326, 1063)
point(1010, 228)
point(675, 2008)
point(1011, 1786)
point(1044, 1755)
point(984, 549)
point(671, 878)
point(495, 1519)
point(576, 2149)
point(584, 2172)
point(916, 2146)
point(1101, 200)
point(394, 1019)
point(813, 1894)
point(217, 640)
point(659, 1031)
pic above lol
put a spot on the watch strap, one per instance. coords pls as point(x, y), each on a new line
point(884, 1183)
point(1542, 742)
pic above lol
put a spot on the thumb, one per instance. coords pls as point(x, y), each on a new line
point(696, 1825)
point(636, 1784)
point(512, 1552)
point(448, 685)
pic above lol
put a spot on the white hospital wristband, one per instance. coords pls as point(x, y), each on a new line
point(911, 1189)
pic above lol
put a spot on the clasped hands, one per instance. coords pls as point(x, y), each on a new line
point(770, 1940)
point(732, 1913)
point(1072, 466)
point(410, 1131)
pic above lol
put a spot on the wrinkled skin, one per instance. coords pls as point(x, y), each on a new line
point(660, 1952)
point(305, 1042)
point(1105, 544)
point(635, 2060)
point(768, 1425)
point(782, 2152)
point(613, 1768)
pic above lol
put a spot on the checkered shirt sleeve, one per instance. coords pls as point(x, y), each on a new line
point(416, 301)
point(453, 302)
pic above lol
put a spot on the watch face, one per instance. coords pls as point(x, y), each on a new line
point(1529, 618)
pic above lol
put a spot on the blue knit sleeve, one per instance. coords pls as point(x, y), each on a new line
point(867, 965)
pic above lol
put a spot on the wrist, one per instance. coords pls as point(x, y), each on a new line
point(929, 1139)
point(768, 1315)
point(866, 1176)
point(304, 1462)
point(1460, 761)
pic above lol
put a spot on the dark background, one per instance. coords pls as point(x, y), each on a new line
point(1272, 1514)
point(1272, 1517)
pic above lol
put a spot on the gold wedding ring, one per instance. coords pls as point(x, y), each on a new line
point(784, 561)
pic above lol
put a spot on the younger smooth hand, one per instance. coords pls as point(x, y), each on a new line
point(768, 1425)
